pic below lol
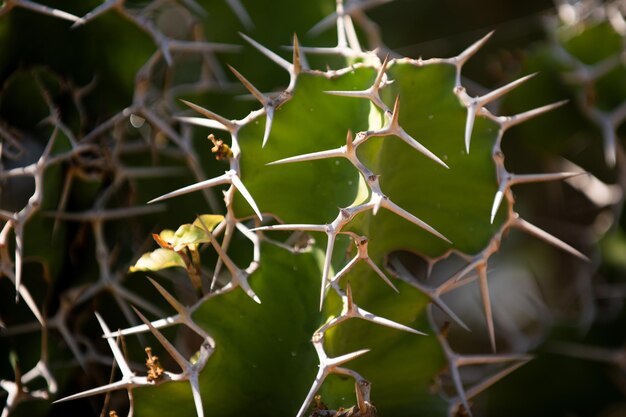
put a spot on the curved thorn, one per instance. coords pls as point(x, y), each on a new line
point(269, 119)
point(497, 200)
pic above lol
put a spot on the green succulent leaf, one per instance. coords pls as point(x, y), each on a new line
point(263, 350)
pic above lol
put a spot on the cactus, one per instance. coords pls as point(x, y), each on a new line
point(337, 189)
point(581, 61)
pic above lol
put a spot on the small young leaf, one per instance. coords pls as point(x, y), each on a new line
point(157, 260)
point(188, 235)
point(210, 221)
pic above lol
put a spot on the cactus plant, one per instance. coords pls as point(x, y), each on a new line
point(335, 190)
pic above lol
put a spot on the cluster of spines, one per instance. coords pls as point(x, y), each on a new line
point(81, 155)
point(347, 47)
point(475, 107)
point(573, 19)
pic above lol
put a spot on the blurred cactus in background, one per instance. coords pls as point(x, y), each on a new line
point(236, 208)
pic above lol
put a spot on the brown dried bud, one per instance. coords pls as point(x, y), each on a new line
point(155, 370)
point(221, 150)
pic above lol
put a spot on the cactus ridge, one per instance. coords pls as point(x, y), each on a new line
point(327, 365)
point(380, 129)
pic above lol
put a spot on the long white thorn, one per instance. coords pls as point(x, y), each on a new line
point(460, 389)
point(292, 227)
point(18, 229)
point(469, 125)
point(199, 121)
point(436, 300)
point(101, 9)
point(246, 194)
point(269, 120)
point(514, 179)
point(395, 129)
point(547, 237)
point(26, 4)
point(115, 349)
point(393, 207)
point(251, 88)
point(270, 54)
point(497, 200)
point(381, 274)
point(510, 121)
point(486, 300)
point(499, 92)
point(486, 383)
point(174, 353)
point(169, 297)
point(366, 315)
point(535, 178)
point(195, 392)
point(333, 153)
point(222, 179)
point(472, 49)
point(124, 383)
point(214, 116)
point(330, 245)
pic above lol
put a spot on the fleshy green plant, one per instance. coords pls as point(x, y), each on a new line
point(335, 190)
